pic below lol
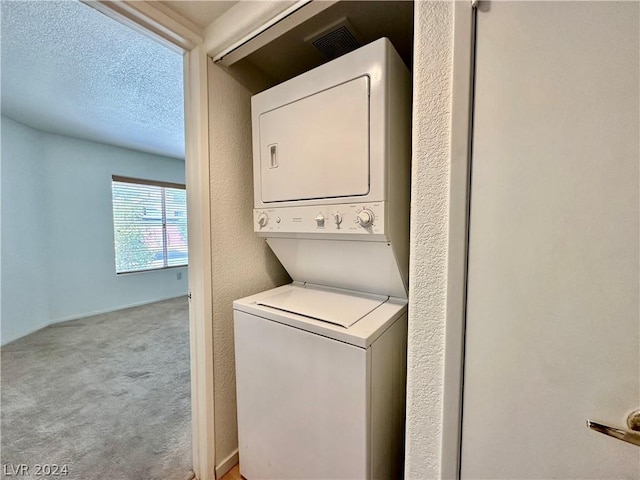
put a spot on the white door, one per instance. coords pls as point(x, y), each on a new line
point(552, 336)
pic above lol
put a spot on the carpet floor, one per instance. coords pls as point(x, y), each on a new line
point(108, 396)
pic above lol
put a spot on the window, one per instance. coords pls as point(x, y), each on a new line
point(149, 223)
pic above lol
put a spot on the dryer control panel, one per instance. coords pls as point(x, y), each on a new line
point(351, 218)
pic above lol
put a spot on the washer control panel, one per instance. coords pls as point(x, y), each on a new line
point(358, 218)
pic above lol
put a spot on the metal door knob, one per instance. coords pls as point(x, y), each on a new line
point(633, 421)
point(630, 436)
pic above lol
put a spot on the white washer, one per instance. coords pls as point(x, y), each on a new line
point(320, 377)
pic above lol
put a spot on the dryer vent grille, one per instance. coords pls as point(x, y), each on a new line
point(336, 40)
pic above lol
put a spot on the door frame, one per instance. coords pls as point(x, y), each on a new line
point(458, 238)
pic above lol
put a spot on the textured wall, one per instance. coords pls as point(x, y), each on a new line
point(433, 53)
point(58, 258)
point(242, 263)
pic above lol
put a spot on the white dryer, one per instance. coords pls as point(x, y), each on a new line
point(320, 363)
point(331, 166)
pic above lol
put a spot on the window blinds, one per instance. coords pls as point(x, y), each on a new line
point(150, 224)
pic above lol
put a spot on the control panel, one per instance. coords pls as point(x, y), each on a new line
point(353, 218)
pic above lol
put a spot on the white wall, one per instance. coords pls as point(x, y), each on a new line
point(433, 55)
point(61, 248)
point(242, 263)
point(25, 297)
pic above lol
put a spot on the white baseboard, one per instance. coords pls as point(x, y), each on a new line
point(22, 334)
point(227, 464)
point(83, 315)
point(112, 309)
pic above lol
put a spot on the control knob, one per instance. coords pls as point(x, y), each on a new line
point(263, 219)
point(365, 218)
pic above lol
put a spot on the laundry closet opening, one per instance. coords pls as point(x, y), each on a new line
point(342, 27)
point(242, 262)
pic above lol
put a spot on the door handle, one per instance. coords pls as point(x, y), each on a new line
point(273, 156)
point(632, 435)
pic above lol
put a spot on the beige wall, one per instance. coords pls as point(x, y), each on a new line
point(433, 55)
point(242, 263)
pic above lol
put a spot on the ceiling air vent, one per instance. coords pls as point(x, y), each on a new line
point(336, 39)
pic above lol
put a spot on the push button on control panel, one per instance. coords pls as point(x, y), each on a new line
point(320, 220)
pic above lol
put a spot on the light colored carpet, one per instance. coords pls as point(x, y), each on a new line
point(107, 395)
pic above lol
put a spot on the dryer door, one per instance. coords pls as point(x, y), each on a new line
point(318, 146)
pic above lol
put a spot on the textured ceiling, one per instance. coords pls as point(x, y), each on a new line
point(202, 13)
point(68, 69)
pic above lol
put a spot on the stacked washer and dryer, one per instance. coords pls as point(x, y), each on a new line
point(321, 362)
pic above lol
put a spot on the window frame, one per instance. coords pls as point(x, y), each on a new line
point(153, 183)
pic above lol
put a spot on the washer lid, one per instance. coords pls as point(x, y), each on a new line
point(327, 306)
